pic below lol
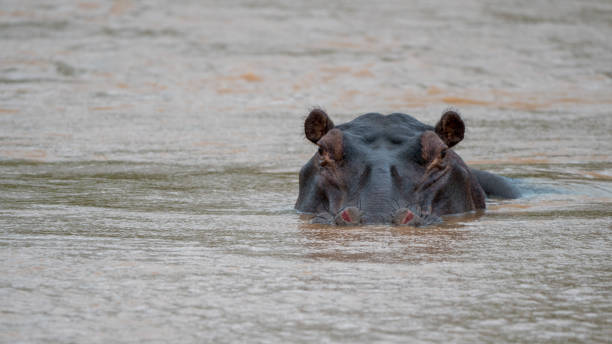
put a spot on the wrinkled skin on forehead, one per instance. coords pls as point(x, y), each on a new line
point(390, 169)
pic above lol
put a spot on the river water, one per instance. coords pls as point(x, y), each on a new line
point(149, 153)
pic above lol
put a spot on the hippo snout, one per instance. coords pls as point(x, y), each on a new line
point(352, 216)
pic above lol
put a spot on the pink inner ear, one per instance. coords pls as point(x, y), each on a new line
point(345, 216)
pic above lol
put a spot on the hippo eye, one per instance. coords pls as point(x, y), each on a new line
point(443, 153)
point(320, 151)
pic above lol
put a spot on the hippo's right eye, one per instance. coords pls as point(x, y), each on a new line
point(322, 160)
point(443, 153)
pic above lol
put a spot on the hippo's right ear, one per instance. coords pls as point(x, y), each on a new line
point(317, 124)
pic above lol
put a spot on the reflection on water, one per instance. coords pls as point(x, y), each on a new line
point(389, 245)
point(149, 155)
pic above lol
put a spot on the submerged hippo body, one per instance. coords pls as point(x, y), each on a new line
point(390, 169)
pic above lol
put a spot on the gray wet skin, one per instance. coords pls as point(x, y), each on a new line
point(390, 169)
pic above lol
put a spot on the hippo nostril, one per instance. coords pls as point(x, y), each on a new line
point(405, 216)
point(409, 216)
point(348, 216)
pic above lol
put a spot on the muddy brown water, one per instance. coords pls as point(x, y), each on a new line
point(149, 153)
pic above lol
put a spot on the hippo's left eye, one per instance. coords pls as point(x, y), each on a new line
point(443, 153)
point(320, 151)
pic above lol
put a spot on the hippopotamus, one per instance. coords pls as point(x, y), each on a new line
point(391, 169)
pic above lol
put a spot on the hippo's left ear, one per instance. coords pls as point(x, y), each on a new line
point(450, 128)
point(317, 124)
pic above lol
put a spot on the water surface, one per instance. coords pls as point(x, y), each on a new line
point(149, 154)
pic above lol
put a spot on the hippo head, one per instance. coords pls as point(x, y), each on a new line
point(386, 169)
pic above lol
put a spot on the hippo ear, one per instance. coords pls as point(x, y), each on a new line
point(317, 124)
point(450, 128)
